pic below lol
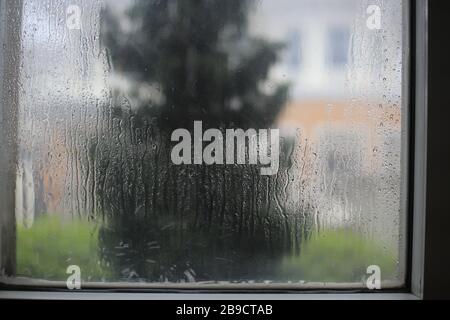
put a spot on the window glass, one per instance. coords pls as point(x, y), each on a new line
point(210, 143)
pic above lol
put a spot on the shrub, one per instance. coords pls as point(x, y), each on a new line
point(338, 256)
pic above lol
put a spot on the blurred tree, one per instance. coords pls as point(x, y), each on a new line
point(200, 58)
point(198, 61)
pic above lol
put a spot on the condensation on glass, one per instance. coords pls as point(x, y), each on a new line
point(103, 84)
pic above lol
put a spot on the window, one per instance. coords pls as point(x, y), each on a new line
point(339, 44)
point(294, 50)
point(170, 144)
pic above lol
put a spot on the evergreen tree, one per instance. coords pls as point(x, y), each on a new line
point(200, 56)
point(176, 223)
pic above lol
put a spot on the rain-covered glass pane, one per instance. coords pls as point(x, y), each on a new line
point(205, 143)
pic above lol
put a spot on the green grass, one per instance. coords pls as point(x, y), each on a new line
point(338, 256)
point(45, 250)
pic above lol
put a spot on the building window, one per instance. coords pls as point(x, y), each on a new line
point(294, 50)
point(339, 44)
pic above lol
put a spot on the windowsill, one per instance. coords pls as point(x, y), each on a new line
point(37, 295)
point(211, 285)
